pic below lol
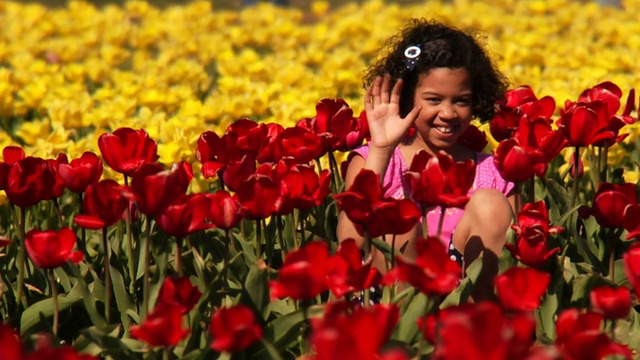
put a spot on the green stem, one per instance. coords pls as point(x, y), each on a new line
point(367, 251)
point(612, 255)
point(132, 269)
point(145, 274)
point(393, 251)
point(225, 274)
point(422, 341)
point(107, 276)
point(532, 189)
point(293, 228)
point(258, 240)
point(166, 353)
point(605, 162)
point(54, 295)
point(22, 252)
point(425, 226)
point(576, 174)
point(335, 174)
point(302, 234)
point(280, 223)
point(82, 242)
point(178, 261)
point(441, 221)
point(56, 205)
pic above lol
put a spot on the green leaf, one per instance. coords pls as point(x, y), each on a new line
point(122, 296)
point(256, 287)
point(31, 315)
point(407, 327)
point(285, 329)
point(384, 247)
point(559, 194)
point(461, 293)
point(88, 299)
point(271, 350)
point(627, 331)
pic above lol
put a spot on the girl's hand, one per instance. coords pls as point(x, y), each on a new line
point(386, 126)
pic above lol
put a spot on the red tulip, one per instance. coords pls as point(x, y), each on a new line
point(250, 136)
point(532, 233)
point(514, 163)
point(238, 171)
point(29, 181)
point(127, 149)
point(365, 205)
point(610, 203)
point(213, 152)
point(592, 345)
point(358, 132)
point(302, 188)
point(51, 249)
point(332, 122)
point(10, 346)
point(359, 335)
point(81, 172)
point(152, 179)
point(103, 205)
point(58, 353)
point(258, 196)
point(234, 329)
point(437, 180)
point(300, 144)
point(58, 184)
point(432, 273)
point(631, 221)
point(348, 273)
point(179, 292)
point(10, 155)
point(613, 303)
point(225, 211)
point(186, 215)
point(483, 332)
point(473, 139)
point(162, 327)
point(585, 123)
point(4, 241)
point(270, 151)
point(520, 289)
point(519, 102)
point(631, 261)
point(572, 321)
point(304, 273)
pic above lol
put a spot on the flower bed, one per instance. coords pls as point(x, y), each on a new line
point(172, 180)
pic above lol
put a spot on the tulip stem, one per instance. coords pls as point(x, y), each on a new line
point(178, 261)
point(605, 162)
point(56, 205)
point(425, 226)
point(258, 240)
point(145, 273)
point(166, 353)
point(132, 270)
point(576, 174)
point(294, 233)
point(532, 188)
point(82, 242)
point(335, 174)
point(393, 251)
point(107, 276)
point(225, 274)
point(612, 255)
point(54, 295)
point(280, 224)
point(367, 253)
point(21, 256)
point(443, 211)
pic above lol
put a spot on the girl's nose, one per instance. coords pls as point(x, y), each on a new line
point(447, 112)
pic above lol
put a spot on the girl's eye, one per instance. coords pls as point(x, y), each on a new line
point(464, 101)
point(433, 100)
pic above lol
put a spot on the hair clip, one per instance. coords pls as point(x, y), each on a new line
point(411, 56)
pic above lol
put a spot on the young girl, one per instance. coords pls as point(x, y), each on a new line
point(433, 79)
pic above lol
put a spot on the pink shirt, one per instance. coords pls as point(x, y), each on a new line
point(487, 177)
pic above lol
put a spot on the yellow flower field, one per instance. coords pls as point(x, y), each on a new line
point(70, 73)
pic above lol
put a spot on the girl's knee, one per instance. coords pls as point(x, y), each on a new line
point(490, 204)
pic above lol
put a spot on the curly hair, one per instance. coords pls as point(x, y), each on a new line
point(441, 46)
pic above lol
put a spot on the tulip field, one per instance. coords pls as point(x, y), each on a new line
point(171, 179)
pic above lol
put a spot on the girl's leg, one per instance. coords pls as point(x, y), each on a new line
point(482, 230)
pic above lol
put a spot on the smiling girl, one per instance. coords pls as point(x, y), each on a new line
point(422, 93)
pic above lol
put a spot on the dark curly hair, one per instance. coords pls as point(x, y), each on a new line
point(441, 46)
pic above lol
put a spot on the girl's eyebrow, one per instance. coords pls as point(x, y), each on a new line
point(433, 93)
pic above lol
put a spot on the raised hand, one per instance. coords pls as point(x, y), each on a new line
point(383, 113)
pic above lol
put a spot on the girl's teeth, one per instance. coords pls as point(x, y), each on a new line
point(445, 130)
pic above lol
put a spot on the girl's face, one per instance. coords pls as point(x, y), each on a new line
point(445, 97)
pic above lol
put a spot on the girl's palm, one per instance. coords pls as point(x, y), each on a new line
point(383, 114)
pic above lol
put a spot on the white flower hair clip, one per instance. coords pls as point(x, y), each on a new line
point(411, 55)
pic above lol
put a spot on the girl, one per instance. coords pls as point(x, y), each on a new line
point(421, 94)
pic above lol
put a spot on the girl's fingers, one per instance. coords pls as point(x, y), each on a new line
point(376, 90)
point(386, 83)
point(368, 105)
point(411, 117)
point(395, 93)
